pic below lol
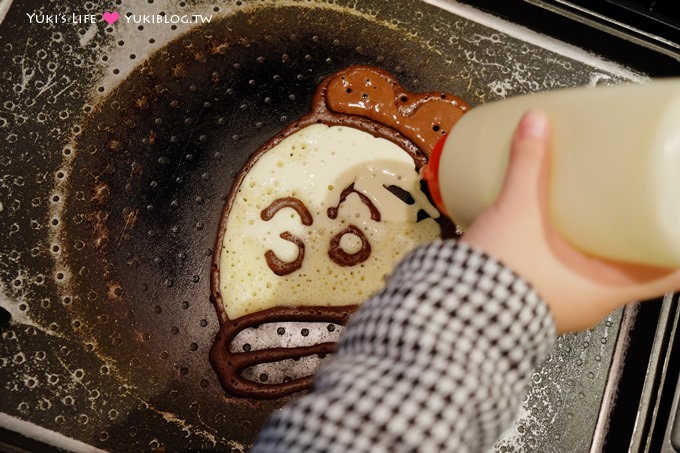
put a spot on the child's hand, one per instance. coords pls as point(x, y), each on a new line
point(580, 290)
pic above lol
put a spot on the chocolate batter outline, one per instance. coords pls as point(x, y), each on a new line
point(227, 364)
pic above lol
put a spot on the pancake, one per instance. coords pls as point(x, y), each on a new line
point(321, 213)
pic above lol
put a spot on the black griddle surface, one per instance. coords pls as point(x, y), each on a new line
point(120, 146)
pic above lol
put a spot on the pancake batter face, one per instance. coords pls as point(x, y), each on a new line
point(318, 220)
point(321, 214)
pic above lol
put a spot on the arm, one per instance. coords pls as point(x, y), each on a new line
point(438, 360)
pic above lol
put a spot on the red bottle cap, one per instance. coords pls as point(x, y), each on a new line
point(430, 174)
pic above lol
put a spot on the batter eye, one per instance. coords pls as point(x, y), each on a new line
point(280, 267)
point(340, 256)
point(347, 248)
point(333, 211)
point(276, 264)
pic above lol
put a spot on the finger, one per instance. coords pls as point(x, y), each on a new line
point(528, 155)
point(665, 281)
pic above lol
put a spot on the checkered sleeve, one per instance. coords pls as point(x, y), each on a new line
point(438, 360)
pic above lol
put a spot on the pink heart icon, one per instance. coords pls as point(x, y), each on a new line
point(110, 17)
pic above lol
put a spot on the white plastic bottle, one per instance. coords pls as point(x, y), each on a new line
point(615, 167)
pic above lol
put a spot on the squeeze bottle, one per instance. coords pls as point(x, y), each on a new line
point(614, 189)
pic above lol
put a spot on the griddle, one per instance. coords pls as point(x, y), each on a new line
point(120, 144)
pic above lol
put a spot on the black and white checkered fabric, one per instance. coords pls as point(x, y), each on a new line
point(437, 361)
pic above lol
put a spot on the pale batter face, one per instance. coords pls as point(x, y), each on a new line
point(314, 224)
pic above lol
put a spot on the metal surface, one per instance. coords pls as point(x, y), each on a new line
point(120, 143)
point(656, 413)
point(657, 35)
